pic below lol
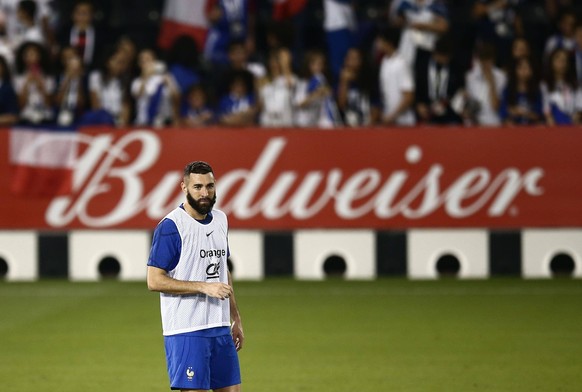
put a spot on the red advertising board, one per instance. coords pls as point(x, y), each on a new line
point(289, 179)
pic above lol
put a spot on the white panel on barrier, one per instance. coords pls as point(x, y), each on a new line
point(246, 254)
point(87, 248)
point(426, 247)
point(313, 247)
point(20, 251)
point(539, 246)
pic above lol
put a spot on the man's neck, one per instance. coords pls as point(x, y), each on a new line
point(193, 213)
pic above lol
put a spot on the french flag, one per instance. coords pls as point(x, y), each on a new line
point(42, 161)
point(184, 17)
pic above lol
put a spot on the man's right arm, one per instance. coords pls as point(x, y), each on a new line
point(158, 280)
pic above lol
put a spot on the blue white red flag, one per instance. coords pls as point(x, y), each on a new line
point(42, 161)
point(184, 17)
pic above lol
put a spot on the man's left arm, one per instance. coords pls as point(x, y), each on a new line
point(236, 326)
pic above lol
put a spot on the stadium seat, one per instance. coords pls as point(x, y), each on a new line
point(88, 248)
point(19, 249)
point(426, 247)
point(313, 247)
point(539, 247)
point(246, 254)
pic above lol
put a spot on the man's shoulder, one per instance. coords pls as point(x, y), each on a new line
point(219, 214)
point(166, 227)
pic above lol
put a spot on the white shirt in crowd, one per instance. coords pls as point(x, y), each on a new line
point(109, 93)
point(478, 91)
point(35, 110)
point(563, 97)
point(395, 79)
point(338, 15)
point(10, 21)
point(142, 105)
point(277, 102)
point(413, 38)
point(321, 113)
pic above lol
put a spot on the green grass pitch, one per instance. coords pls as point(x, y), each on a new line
point(385, 335)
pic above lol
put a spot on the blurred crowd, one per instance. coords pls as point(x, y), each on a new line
point(290, 63)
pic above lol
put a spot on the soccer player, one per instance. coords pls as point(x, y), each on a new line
point(188, 266)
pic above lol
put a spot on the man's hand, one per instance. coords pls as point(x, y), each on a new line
point(238, 336)
point(217, 290)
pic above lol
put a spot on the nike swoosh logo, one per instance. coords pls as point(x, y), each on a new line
point(208, 234)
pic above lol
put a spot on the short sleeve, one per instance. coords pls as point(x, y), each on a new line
point(166, 246)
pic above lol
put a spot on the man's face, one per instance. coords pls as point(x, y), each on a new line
point(83, 14)
point(200, 192)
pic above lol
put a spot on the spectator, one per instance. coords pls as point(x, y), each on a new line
point(562, 98)
point(438, 86)
point(316, 107)
point(109, 92)
point(484, 85)
point(155, 92)
point(127, 49)
point(555, 8)
point(578, 52)
point(564, 38)
point(521, 103)
point(340, 24)
point(423, 22)
point(520, 47)
point(230, 21)
point(276, 91)
point(33, 84)
point(29, 30)
point(197, 112)
point(83, 35)
point(8, 99)
point(498, 22)
point(357, 91)
point(239, 65)
point(71, 93)
point(396, 82)
point(237, 107)
point(10, 25)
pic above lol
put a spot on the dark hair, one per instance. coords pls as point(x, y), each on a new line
point(310, 55)
point(28, 7)
point(184, 51)
point(83, 2)
point(570, 77)
point(197, 167)
point(486, 51)
point(533, 85)
point(366, 78)
point(443, 46)
point(195, 88)
point(44, 62)
point(6, 74)
point(236, 43)
point(390, 35)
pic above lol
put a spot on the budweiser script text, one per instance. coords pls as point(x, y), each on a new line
point(267, 191)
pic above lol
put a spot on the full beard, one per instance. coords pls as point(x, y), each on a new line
point(203, 205)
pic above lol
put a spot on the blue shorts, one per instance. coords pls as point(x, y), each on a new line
point(201, 362)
